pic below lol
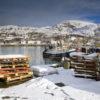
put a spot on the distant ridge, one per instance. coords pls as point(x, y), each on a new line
point(65, 27)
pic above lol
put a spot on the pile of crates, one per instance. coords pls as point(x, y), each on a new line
point(86, 68)
point(14, 68)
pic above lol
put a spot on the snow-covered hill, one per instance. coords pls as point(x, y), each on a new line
point(76, 27)
point(65, 27)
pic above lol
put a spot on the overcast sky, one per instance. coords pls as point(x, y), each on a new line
point(47, 12)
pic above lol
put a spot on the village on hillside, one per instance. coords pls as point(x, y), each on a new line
point(69, 33)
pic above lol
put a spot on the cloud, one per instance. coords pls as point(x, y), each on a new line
point(47, 11)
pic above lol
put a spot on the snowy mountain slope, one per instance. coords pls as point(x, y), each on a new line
point(65, 27)
point(76, 27)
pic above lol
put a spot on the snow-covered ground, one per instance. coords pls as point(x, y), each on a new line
point(44, 88)
point(77, 88)
point(43, 70)
point(35, 89)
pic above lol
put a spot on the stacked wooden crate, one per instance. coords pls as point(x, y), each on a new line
point(86, 68)
point(14, 68)
point(73, 61)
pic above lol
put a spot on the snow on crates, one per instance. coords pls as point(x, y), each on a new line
point(43, 70)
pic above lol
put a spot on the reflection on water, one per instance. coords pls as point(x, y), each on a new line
point(35, 53)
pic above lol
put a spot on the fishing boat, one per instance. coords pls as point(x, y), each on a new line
point(14, 68)
point(56, 53)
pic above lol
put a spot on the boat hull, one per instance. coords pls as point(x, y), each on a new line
point(56, 56)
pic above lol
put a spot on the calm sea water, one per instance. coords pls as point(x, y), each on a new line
point(35, 53)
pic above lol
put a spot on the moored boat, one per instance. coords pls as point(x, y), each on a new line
point(56, 53)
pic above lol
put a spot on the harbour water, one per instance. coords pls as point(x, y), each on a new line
point(34, 52)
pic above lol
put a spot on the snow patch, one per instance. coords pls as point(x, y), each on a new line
point(43, 70)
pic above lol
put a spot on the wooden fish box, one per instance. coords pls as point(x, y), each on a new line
point(14, 68)
point(87, 68)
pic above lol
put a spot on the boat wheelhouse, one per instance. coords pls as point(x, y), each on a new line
point(14, 68)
